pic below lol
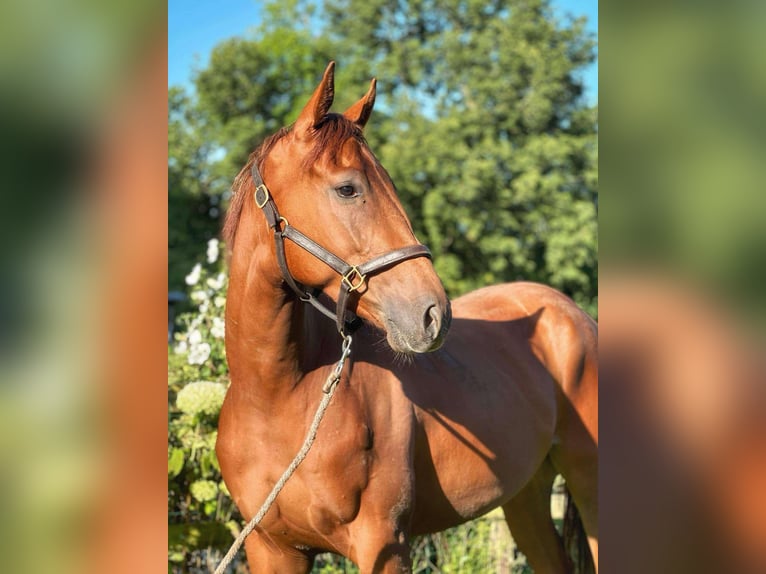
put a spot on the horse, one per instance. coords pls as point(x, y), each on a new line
point(444, 410)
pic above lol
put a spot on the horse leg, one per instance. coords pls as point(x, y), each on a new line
point(270, 559)
point(380, 549)
point(528, 515)
point(576, 458)
point(388, 558)
point(575, 450)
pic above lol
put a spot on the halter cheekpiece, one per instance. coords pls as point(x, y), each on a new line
point(353, 277)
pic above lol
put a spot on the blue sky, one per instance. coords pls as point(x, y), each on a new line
point(196, 26)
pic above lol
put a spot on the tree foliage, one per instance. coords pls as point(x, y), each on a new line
point(481, 124)
point(491, 145)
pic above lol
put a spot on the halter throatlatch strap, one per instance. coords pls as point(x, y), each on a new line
point(353, 277)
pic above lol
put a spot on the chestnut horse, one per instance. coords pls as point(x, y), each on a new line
point(425, 431)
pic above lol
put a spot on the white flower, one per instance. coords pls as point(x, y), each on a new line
point(198, 354)
point(199, 295)
point(193, 277)
point(212, 250)
point(201, 397)
point(204, 306)
point(195, 337)
point(218, 329)
point(194, 324)
point(219, 301)
point(181, 347)
point(217, 282)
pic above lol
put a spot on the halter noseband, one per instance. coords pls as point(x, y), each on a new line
point(353, 277)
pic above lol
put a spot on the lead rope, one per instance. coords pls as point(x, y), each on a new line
point(329, 390)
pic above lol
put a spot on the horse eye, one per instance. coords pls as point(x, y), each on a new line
point(346, 191)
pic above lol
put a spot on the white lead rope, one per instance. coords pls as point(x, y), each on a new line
point(329, 390)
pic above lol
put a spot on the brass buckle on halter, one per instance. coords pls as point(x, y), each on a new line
point(263, 187)
point(354, 275)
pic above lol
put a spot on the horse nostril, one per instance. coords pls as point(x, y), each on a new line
point(432, 321)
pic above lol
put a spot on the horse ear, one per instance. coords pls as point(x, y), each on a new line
point(319, 104)
point(360, 112)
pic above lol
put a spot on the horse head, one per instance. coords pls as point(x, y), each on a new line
point(328, 184)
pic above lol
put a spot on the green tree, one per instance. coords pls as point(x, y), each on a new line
point(480, 121)
point(193, 191)
point(249, 89)
point(491, 145)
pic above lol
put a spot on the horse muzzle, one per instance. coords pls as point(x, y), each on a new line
point(419, 326)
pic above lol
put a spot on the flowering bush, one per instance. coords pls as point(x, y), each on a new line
point(202, 340)
point(201, 398)
point(202, 516)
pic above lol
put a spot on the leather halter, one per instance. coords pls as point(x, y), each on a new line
point(353, 277)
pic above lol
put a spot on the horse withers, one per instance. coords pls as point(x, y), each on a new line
point(425, 431)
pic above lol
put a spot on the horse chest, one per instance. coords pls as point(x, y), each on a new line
point(325, 492)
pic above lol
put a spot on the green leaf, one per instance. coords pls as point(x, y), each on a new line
point(209, 464)
point(175, 462)
point(209, 507)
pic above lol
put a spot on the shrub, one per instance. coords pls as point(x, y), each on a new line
point(201, 515)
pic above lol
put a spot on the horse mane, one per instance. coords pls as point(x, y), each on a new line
point(329, 136)
point(244, 181)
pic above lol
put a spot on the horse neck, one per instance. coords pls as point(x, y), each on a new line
point(272, 339)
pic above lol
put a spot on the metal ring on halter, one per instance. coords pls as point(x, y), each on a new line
point(348, 279)
point(284, 219)
point(335, 375)
point(266, 196)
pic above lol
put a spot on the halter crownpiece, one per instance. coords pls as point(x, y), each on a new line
point(353, 277)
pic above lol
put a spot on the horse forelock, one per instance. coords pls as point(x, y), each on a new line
point(329, 136)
